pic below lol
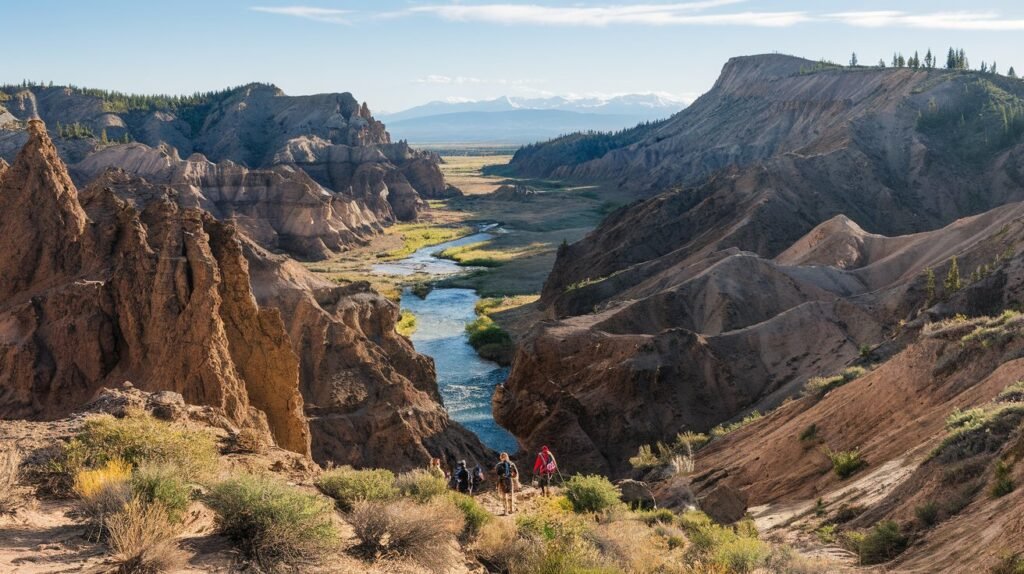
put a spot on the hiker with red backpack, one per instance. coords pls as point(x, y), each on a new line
point(544, 468)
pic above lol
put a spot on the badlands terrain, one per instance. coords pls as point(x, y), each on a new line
point(779, 331)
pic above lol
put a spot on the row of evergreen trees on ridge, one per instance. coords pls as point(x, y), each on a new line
point(956, 59)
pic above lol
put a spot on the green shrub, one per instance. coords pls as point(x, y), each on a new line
point(1012, 394)
point(140, 438)
point(484, 331)
point(845, 462)
point(690, 442)
point(163, 484)
point(741, 554)
point(406, 324)
point(1009, 564)
point(724, 429)
point(272, 523)
point(348, 486)
point(809, 434)
point(826, 534)
point(657, 516)
point(591, 493)
point(977, 431)
point(882, 543)
point(476, 516)
point(645, 458)
point(1003, 484)
point(927, 514)
point(420, 485)
point(819, 386)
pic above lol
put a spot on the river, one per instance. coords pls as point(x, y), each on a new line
point(466, 380)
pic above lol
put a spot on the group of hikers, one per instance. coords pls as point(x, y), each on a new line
point(463, 480)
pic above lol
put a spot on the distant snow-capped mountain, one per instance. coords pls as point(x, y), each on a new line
point(655, 105)
point(512, 120)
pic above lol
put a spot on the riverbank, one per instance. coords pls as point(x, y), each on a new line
point(511, 265)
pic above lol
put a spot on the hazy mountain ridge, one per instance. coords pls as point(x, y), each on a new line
point(525, 120)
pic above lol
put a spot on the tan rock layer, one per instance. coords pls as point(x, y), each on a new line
point(159, 297)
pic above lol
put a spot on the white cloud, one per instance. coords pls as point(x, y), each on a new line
point(692, 13)
point(330, 15)
point(989, 21)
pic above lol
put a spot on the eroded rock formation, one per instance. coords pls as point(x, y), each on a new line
point(308, 175)
point(129, 280)
point(718, 294)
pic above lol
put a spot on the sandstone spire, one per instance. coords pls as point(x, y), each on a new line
point(42, 229)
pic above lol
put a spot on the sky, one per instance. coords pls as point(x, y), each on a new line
point(396, 54)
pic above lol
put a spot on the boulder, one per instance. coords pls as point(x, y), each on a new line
point(723, 503)
point(636, 494)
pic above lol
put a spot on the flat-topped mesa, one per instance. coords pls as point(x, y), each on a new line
point(745, 70)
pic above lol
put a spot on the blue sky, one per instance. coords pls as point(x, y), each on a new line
point(398, 53)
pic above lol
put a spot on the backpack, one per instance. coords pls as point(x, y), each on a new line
point(506, 470)
point(549, 463)
point(478, 475)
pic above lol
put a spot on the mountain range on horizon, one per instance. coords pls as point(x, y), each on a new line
point(521, 120)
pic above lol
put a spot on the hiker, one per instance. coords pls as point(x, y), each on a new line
point(478, 479)
point(508, 477)
point(544, 468)
point(435, 469)
point(460, 480)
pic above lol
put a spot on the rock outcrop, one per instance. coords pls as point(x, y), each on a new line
point(721, 295)
point(128, 280)
point(251, 153)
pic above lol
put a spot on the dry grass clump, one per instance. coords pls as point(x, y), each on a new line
point(10, 461)
point(141, 536)
point(820, 386)
point(636, 548)
point(273, 524)
point(103, 492)
point(421, 533)
point(420, 485)
point(249, 440)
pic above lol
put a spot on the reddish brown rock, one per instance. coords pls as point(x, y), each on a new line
point(126, 282)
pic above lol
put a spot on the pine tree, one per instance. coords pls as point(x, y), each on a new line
point(881, 63)
point(901, 62)
point(929, 60)
point(853, 60)
point(952, 283)
point(916, 61)
point(994, 69)
point(984, 68)
point(1011, 73)
point(951, 60)
point(895, 60)
point(929, 284)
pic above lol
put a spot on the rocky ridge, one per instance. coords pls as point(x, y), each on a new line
point(723, 295)
point(125, 281)
point(307, 175)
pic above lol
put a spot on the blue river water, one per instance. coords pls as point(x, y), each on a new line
point(465, 379)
